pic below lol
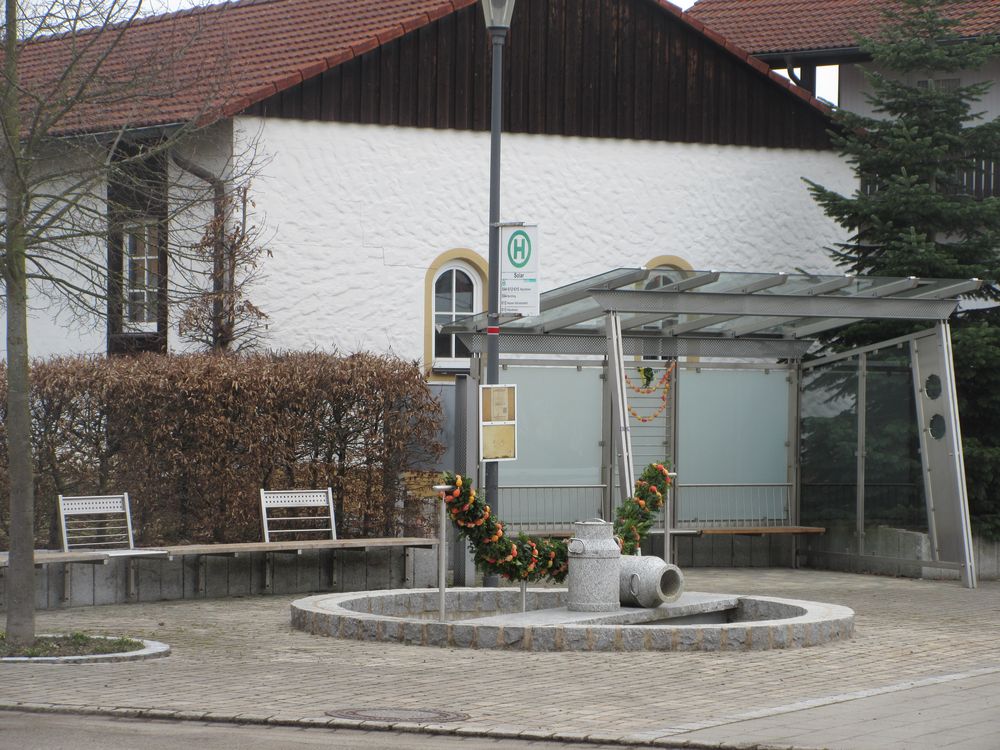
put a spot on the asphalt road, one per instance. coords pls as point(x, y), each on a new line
point(28, 731)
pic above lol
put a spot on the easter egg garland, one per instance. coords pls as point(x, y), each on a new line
point(533, 558)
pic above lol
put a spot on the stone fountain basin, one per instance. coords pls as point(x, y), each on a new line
point(492, 618)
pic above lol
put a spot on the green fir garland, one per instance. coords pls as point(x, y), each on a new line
point(534, 558)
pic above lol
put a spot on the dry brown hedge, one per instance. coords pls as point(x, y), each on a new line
point(193, 438)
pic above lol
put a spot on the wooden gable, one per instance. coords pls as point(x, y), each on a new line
point(591, 68)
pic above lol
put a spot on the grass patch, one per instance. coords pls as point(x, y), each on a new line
point(74, 644)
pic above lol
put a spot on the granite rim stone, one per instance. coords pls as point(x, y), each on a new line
point(492, 619)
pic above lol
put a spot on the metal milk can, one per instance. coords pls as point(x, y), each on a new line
point(649, 581)
point(594, 568)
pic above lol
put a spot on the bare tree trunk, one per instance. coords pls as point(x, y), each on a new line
point(21, 593)
point(21, 586)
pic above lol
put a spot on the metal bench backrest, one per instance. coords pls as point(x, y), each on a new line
point(322, 522)
point(96, 522)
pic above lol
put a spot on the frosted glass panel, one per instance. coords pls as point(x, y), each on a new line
point(732, 446)
point(559, 427)
point(733, 427)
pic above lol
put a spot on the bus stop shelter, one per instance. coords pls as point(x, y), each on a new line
point(873, 437)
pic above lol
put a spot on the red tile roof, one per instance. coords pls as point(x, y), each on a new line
point(214, 61)
point(771, 26)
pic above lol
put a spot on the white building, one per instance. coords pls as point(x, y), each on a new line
point(632, 136)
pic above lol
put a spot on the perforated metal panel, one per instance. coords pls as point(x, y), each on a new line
point(96, 522)
point(295, 525)
point(295, 498)
point(72, 506)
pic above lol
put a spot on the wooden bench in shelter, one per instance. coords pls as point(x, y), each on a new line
point(734, 531)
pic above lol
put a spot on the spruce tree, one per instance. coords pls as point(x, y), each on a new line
point(916, 211)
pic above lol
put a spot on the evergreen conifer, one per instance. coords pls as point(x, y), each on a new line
point(922, 209)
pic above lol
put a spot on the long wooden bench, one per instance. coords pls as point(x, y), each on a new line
point(97, 528)
point(237, 549)
point(675, 533)
point(290, 512)
point(52, 557)
point(759, 530)
point(754, 531)
point(708, 531)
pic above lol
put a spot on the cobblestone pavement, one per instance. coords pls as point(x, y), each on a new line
point(924, 665)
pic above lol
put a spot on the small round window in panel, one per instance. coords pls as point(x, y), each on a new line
point(932, 387)
point(938, 427)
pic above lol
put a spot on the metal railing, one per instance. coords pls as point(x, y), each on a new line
point(553, 508)
point(897, 504)
point(980, 180)
point(732, 505)
point(549, 508)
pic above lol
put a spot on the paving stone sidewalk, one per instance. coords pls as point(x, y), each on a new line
point(924, 665)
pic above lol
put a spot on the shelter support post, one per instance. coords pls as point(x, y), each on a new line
point(942, 460)
point(860, 453)
point(607, 443)
point(920, 398)
point(794, 509)
point(619, 407)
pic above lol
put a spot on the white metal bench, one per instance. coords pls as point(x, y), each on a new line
point(95, 522)
point(100, 525)
point(291, 515)
point(287, 519)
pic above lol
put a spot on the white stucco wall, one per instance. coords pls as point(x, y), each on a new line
point(358, 213)
point(854, 87)
point(61, 319)
point(355, 215)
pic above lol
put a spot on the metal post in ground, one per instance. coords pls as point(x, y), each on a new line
point(442, 549)
point(497, 22)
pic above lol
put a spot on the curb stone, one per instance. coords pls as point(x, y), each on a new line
point(151, 650)
point(379, 726)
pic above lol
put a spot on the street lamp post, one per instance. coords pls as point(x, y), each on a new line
point(498, 14)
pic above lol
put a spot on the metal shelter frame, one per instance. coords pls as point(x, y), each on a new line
point(664, 312)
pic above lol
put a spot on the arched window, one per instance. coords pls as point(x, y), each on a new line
point(456, 292)
point(656, 281)
point(668, 262)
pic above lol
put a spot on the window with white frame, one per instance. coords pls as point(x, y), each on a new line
point(457, 295)
point(141, 259)
point(940, 84)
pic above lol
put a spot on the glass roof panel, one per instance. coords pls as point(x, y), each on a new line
point(570, 308)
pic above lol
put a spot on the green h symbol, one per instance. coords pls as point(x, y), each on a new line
point(519, 249)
